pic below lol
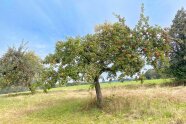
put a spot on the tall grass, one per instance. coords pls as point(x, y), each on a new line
point(121, 105)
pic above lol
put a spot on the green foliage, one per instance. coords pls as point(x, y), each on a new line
point(178, 55)
point(19, 67)
point(152, 74)
point(47, 79)
point(153, 41)
point(114, 47)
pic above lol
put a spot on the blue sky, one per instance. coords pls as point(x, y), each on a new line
point(43, 22)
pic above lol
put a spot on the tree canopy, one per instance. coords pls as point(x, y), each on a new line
point(152, 74)
point(19, 67)
point(178, 54)
point(114, 47)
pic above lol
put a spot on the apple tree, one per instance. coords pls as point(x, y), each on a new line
point(114, 47)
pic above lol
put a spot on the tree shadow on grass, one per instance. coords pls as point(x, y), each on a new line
point(18, 94)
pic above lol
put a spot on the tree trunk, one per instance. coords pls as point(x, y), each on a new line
point(32, 90)
point(98, 92)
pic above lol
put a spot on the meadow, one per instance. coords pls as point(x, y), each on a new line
point(127, 102)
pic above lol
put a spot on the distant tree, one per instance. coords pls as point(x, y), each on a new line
point(113, 48)
point(152, 74)
point(47, 79)
point(19, 67)
point(178, 55)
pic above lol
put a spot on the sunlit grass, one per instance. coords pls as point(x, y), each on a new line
point(113, 84)
point(75, 106)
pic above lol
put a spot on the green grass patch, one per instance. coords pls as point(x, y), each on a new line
point(75, 105)
point(115, 84)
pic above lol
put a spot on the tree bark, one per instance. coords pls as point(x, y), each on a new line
point(98, 92)
point(32, 90)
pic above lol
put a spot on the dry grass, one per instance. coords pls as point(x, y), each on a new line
point(121, 105)
point(147, 104)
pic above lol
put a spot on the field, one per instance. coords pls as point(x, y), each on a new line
point(128, 102)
